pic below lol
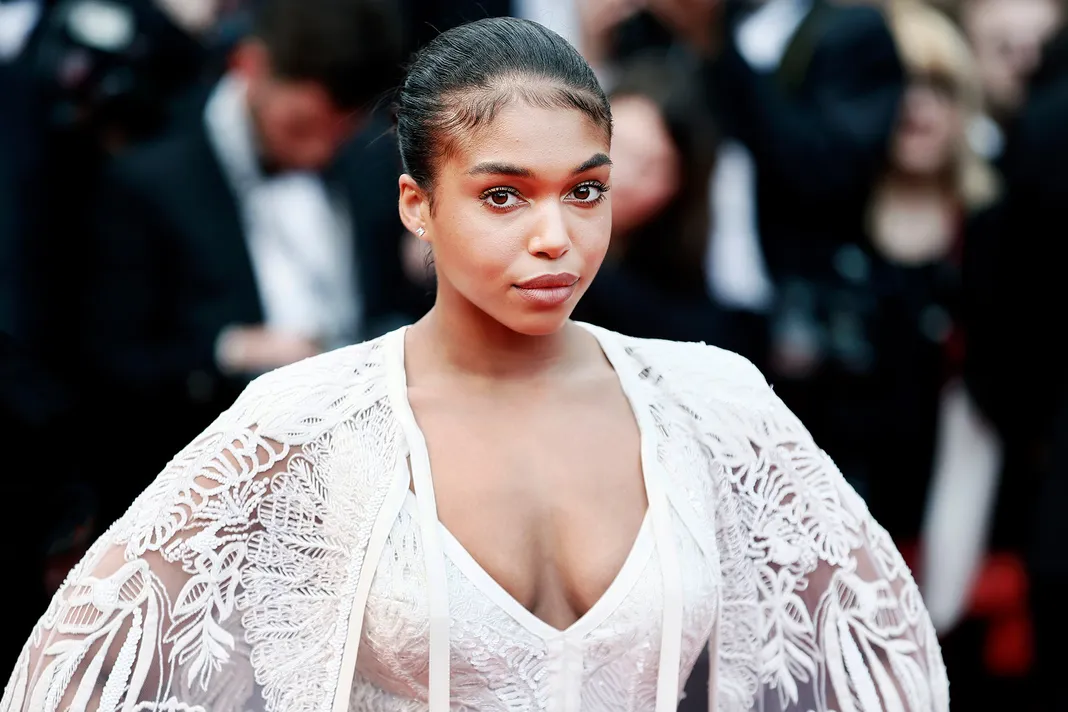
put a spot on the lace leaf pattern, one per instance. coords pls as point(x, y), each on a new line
point(496, 663)
point(227, 584)
point(819, 611)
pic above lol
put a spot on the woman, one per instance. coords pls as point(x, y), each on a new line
point(934, 175)
point(934, 181)
point(600, 508)
point(880, 324)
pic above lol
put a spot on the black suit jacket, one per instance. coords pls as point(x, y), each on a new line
point(18, 141)
point(36, 418)
point(172, 268)
point(818, 129)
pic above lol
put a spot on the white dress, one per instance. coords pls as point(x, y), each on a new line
point(281, 563)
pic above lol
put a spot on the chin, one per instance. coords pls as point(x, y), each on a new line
point(922, 162)
point(538, 324)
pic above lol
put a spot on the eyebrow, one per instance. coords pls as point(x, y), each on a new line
point(508, 169)
point(595, 161)
point(500, 169)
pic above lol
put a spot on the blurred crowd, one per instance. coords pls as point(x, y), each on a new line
point(861, 196)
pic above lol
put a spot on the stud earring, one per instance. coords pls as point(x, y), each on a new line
point(420, 232)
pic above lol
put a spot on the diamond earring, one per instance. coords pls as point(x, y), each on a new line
point(420, 232)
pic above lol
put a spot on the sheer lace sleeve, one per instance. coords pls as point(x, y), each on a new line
point(149, 619)
point(227, 585)
point(820, 611)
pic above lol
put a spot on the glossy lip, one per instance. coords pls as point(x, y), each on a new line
point(549, 281)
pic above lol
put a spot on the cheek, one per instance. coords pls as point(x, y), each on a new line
point(279, 133)
point(478, 250)
point(472, 244)
point(591, 234)
point(948, 127)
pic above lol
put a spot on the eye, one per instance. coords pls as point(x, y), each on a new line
point(589, 193)
point(501, 198)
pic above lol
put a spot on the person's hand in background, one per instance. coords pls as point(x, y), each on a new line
point(258, 349)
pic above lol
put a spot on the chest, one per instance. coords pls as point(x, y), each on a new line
point(504, 658)
point(545, 493)
point(913, 232)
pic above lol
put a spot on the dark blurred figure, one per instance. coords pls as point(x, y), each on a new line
point(258, 235)
point(899, 313)
point(426, 19)
point(663, 149)
point(92, 79)
point(99, 76)
point(25, 430)
point(84, 80)
point(605, 31)
point(17, 157)
point(811, 90)
point(1014, 272)
point(39, 423)
point(935, 183)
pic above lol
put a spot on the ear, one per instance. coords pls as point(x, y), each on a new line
point(414, 206)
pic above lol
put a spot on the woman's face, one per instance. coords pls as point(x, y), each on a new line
point(930, 129)
point(646, 167)
point(521, 217)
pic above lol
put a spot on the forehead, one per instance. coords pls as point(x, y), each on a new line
point(544, 140)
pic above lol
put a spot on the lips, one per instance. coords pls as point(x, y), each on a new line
point(549, 281)
point(548, 290)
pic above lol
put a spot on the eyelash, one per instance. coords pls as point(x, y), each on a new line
point(601, 188)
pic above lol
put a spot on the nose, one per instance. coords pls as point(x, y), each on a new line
point(550, 238)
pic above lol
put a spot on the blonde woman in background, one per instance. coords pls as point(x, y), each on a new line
point(884, 319)
point(934, 177)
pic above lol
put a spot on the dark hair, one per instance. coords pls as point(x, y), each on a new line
point(350, 47)
point(462, 78)
point(670, 248)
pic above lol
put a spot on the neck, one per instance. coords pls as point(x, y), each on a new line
point(903, 185)
point(466, 341)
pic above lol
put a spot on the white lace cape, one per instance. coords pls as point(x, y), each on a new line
point(229, 584)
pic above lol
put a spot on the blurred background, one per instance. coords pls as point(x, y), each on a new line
point(861, 196)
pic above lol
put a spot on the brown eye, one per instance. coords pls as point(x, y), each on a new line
point(587, 193)
point(501, 198)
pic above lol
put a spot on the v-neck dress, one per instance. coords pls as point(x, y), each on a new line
point(290, 559)
point(502, 656)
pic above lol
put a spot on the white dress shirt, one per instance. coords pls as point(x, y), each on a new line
point(735, 269)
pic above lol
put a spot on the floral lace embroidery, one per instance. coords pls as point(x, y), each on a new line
point(228, 584)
